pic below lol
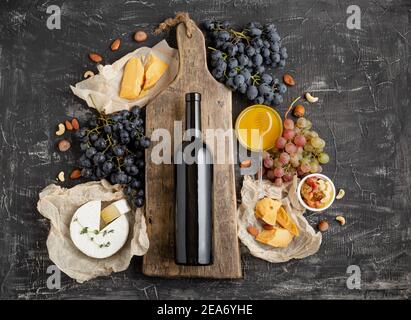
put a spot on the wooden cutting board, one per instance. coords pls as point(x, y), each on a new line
point(216, 113)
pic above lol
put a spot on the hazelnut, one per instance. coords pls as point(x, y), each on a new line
point(299, 111)
point(64, 145)
point(140, 36)
point(323, 226)
point(245, 164)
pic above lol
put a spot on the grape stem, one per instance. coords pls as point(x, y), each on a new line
point(224, 55)
point(290, 107)
point(256, 79)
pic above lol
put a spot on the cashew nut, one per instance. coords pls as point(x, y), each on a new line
point(61, 176)
point(310, 98)
point(340, 194)
point(340, 219)
point(61, 129)
point(88, 74)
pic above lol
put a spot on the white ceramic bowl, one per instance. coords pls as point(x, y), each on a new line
point(318, 175)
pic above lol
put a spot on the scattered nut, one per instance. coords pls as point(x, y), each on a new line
point(88, 74)
point(69, 126)
point(252, 230)
point(245, 164)
point(75, 124)
point(299, 111)
point(75, 174)
point(95, 57)
point(64, 145)
point(140, 36)
point(340, 194)
point(268, 227)
point(340, 219)
point(61, 129)
point(322, 225)
point(310, 98)
point(288, 80)
point(61, 176)
point(115, 45)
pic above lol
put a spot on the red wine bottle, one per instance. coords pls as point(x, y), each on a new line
point(193, 187)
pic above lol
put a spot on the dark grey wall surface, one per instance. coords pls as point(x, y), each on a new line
point(361, 76)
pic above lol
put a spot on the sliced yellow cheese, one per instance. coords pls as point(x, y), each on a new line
point(285, 221)
point(266, 210)
point(113, 211)
point(277, 237)
point(133, 78)
point(154, 70)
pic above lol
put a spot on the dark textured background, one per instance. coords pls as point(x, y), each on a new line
point(361, 76)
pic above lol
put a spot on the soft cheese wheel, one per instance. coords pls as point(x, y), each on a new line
point(88, 238)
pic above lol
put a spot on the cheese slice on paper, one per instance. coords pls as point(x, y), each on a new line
point(154, 70)
point(133, 78)
point(99, 243)
point(277, 237)
point(266, 210)
point(285, 221)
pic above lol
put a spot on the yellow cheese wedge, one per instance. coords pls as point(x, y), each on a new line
point(277, 237)
point(113, 211)
point(154, 69)
point(285, 221)
point(133, 78)
point(266, 210)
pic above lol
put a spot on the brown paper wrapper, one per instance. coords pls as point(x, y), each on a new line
point(306, 244)
point(59, 204)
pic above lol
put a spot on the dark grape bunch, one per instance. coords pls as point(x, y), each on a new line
point(242, 60)
point(113, 148)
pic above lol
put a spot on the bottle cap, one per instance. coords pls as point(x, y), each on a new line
point(193, 96)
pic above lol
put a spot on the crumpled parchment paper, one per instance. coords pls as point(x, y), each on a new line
point(101, 91)
point(59, 204)
point(306, 244)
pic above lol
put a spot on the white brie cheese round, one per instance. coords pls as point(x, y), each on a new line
point(87, 236)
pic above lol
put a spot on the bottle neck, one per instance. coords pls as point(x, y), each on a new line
point(193, 117)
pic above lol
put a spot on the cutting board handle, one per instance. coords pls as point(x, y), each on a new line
point(192, 51)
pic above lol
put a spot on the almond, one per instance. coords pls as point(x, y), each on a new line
point(252, 230)
point(95, 57)
point(64, 145)
point(288, 80)
point(268, 227)
point(140, 36)
point(75, 124)
point(115, 45)
point(75, 174)
point(69, 126)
